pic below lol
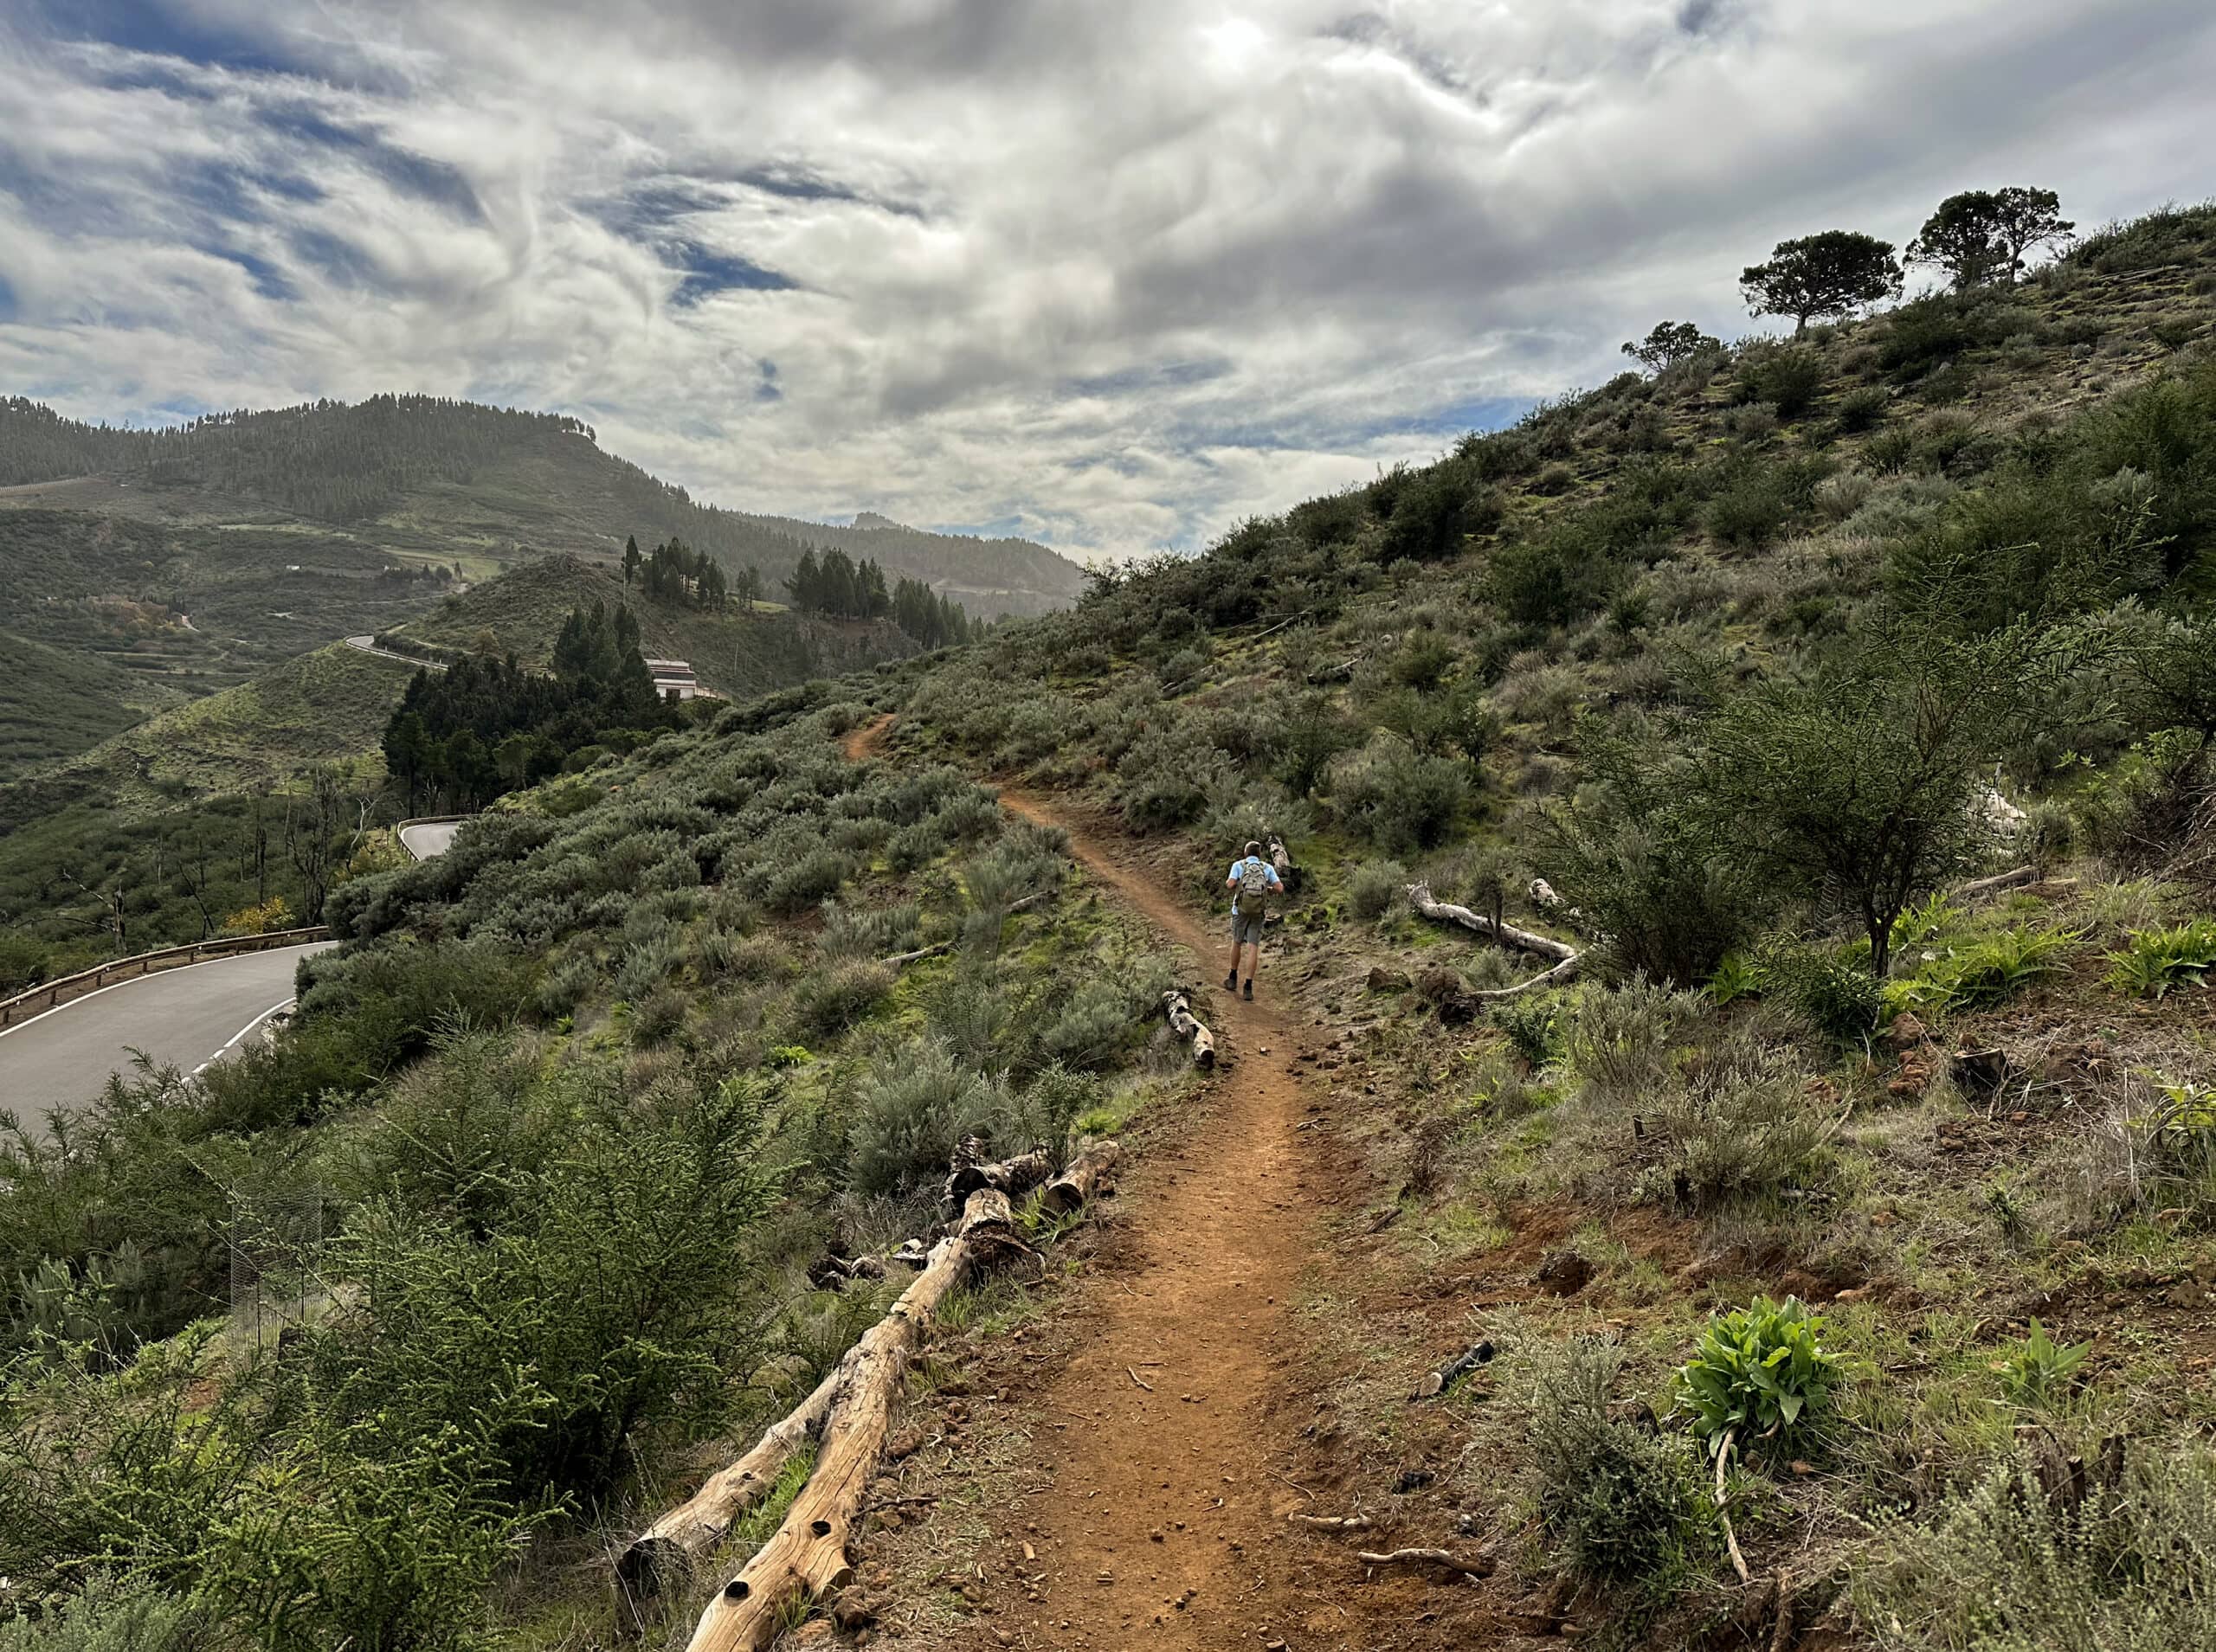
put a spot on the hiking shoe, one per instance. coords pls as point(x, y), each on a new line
point(1231, 982)
point(1249, 993)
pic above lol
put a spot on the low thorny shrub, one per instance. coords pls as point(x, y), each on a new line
point(1621, 1506)
point(2003, 1566)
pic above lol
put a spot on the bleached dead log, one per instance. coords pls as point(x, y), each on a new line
point(2015, 879)
point(1088, 1173)
point(1542, 946)
point(1188, 1026)
point(672, 1547)
point(807, 1553)
point(1333, 1522)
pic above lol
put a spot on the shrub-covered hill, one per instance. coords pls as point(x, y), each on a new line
point(430, 478)
point(1760, 664)
point(736, 651)
point(581, 1101)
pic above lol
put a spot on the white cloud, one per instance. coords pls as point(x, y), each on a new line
point(1117, 275)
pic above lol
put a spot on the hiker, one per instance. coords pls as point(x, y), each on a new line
point(1252, 881)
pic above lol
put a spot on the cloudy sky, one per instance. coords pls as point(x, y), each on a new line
point(1111, 273)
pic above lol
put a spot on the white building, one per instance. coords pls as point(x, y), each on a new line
point(674, 679)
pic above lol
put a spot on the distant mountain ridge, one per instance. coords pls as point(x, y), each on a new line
point(425, 473)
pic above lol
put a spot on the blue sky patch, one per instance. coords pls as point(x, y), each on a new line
point(704, 272)
point(165, 30)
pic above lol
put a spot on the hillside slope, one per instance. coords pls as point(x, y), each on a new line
point(425, 477)
point(734, 653)
point(1821, 1257)
point(109, 617)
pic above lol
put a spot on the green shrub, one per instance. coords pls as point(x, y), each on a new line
point(1401, 800)
point(1097, 1022)
point(1837, 996)
point(1889, 451)
point(1533, 1029)
point(1759, 1372)
point(1555, 578)
point(1863, 409)
point(1621, 1507)
point(2153, 961)
point(108, 1614)
point(813, 878)
point(1435, 512)
point(1627, 853)
point(1790, 380)
point(1749, 513)
point(831, 999)
point(914, 1106)
point(2004, 1565)
point(1375, 887)
point(1738, 1128)
point(1620, 1040)
point(1839, 496)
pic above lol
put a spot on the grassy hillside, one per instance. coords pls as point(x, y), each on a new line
point(1704, 677)
point(53, 702)
point(329, 705)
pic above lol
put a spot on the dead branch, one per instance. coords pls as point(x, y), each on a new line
point(902, 959)
point(1480, 1567)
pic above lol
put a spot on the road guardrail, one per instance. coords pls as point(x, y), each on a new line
point(46, 994)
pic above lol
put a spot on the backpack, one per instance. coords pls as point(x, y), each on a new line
point(1254, 888)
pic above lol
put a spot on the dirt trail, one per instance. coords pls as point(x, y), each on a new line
point(1162, 1522)
point(1165, 1519)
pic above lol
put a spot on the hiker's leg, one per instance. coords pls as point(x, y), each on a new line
point(1232, 980)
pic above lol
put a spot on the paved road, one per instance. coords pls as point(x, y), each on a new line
point(187, 1018)
point(368, 645)
point(429, 840)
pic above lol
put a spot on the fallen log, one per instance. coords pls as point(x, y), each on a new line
point(2014, 879)
point(1420, 897)
point(1333, 1522)
point(668, 1551)
point(1180, 1011)
point(1087, 1174)
point(807, 1553)
point(1015, 1177)
point(901, 959)
point(1480, 1567)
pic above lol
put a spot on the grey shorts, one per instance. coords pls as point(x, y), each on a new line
point(1244, 929)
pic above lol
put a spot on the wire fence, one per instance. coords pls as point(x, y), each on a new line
point(276, 1251)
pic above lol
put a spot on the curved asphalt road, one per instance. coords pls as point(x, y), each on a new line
point(187, 1018)
point(429, 840)
point(368, 645)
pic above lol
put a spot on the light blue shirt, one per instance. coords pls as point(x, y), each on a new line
point(1268, 870)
